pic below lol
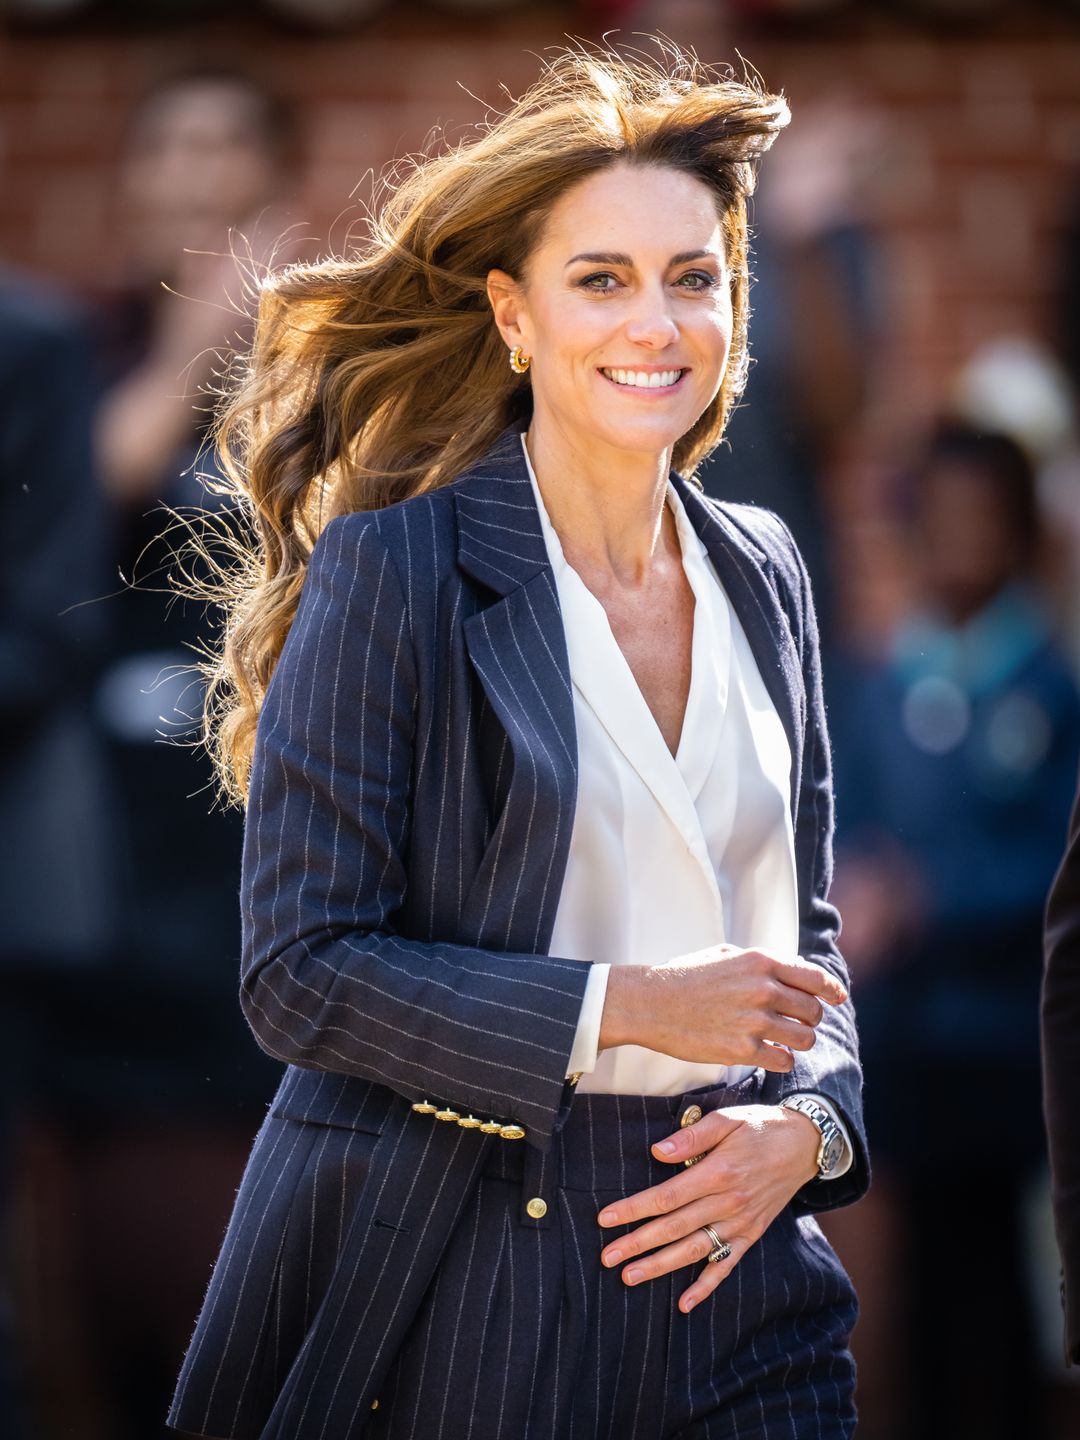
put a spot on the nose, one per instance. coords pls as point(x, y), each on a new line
point(652, 324)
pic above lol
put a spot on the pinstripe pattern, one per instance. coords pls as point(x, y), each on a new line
point(767, 1357)
point(412, 800)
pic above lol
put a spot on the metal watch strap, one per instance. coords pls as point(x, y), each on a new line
point(826, 1125)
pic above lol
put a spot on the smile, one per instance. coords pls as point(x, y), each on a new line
point(644, 379)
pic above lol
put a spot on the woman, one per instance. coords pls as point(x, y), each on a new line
point(529, 700)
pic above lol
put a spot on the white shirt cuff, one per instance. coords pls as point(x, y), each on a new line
point(584, 1054)
point(843, 1165)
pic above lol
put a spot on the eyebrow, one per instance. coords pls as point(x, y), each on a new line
point(618, 258)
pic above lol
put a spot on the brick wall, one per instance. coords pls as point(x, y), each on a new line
point(977, 136)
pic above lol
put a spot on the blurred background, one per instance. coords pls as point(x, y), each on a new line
point(912, 412)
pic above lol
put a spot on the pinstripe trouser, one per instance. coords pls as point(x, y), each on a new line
point(523, 1333)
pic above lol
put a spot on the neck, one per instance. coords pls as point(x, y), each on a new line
point(607, 505)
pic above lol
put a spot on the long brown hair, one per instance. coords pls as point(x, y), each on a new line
point(380, 375)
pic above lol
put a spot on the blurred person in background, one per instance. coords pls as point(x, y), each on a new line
point(56, 883)
point(815, 304)
point(159, 1096)
point(957, 752)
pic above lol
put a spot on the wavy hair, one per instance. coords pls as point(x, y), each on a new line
point(381, 375)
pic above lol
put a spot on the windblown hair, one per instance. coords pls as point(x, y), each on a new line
point(382, 375)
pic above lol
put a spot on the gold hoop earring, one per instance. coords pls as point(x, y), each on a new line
point(519, 361)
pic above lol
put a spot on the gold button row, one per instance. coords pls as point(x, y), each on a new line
point(505, 1129)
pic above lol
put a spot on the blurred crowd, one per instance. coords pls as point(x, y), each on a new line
point(951, 618)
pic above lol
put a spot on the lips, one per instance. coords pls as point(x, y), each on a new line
point(644, 379)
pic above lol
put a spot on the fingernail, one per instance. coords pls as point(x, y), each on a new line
point(608, 1217)
point(667, 1147)
point(612, 1257)
point(687, 1305)
point(633, 1275)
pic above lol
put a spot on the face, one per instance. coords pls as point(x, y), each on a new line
point(195, 165)
point(968, 553)
point(625, 309)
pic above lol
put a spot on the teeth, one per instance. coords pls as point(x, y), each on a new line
point(643, 379)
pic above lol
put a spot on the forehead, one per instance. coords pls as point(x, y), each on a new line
point(201, 110)
point(639, 210)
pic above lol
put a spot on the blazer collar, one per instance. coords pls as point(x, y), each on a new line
point(500, 539)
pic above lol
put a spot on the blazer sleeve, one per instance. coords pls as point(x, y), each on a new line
point(327, 981)
point(1060, 1045)
point(831, 1068)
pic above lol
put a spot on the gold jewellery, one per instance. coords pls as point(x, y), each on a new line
point(519, 361)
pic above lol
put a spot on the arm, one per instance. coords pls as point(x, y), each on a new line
point(1060, 1038)
point(831, 1069)
point(327, 981)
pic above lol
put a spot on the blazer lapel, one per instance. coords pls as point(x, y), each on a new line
point(746, 575)
point(517, 647)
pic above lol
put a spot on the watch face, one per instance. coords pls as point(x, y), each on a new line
point(831, 1153)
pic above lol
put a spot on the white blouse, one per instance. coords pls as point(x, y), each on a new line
point(670, 854)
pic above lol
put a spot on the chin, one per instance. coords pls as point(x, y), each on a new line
point(637, 439)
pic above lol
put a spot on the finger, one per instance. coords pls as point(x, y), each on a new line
point(682, 1189)
point(798, 1005)
point(772, 1057)
point(692, 1249)
point(791, 1034)
point(802, 974)
point(713, 1275)
point(668, 1229)
point(710, 1130)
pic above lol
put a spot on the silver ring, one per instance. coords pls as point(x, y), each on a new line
point(721, 1249)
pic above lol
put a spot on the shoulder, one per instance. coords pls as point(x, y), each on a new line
point(765, 529)
point(398, 528)
point(417, 535)
point(765, 535)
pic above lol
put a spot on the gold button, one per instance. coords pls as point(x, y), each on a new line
point(511, 1132)
point(537, 1208)
point(447, 1115)
point(425, 1107)
point(690, 1116)
point(374, 1404)
point(468, 1122)
point(490, 1127)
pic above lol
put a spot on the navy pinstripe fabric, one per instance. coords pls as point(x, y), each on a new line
point(525, 1334)
point(410, 812)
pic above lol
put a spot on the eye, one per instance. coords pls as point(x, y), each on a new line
point(596, 282)
point(697, 280)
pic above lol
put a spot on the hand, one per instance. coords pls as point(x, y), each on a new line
point(757, 1157)
point(720, 1006)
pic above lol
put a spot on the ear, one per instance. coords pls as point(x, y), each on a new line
point(507, 302)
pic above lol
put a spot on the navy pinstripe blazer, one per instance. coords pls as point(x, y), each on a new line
point(410, 813)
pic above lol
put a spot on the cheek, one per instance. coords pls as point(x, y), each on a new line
point(712, 342)
point(574, 328)
point(717, 328)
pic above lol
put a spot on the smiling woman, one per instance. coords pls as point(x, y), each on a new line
point(538, 841)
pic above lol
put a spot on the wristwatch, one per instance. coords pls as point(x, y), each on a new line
point(831, 1149)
